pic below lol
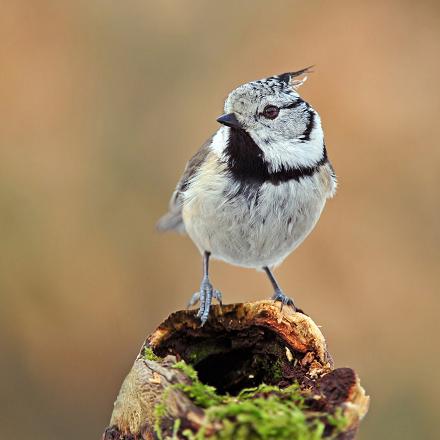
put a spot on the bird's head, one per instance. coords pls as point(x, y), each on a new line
point(284, 127)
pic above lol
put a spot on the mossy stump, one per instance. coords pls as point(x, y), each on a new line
point(253, 371)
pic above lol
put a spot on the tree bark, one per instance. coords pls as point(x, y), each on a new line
point(241, 346)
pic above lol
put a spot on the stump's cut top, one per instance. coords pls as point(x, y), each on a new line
point(297, 330)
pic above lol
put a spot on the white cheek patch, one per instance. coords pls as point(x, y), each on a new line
point(281, 152)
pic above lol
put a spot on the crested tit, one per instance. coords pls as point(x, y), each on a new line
point(257, 187)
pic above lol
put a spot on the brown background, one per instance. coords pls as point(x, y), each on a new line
point(102, 102)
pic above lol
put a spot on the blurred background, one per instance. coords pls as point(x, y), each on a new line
point(102, 102)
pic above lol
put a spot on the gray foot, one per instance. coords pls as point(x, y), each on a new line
point(205, 295)
point(285, 300)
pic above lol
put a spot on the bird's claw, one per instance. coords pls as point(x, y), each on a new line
point(205, 295)
point(194, 300)
point(284, 300)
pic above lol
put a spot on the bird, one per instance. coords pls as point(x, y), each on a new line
point(254, 191)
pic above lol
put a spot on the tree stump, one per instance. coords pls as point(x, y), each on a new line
point(253, 371)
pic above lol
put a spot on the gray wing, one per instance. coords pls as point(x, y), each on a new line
point(172, 220)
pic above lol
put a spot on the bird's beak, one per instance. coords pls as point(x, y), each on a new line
point(229, 120)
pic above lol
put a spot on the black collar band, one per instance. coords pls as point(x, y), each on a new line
point(246, 162)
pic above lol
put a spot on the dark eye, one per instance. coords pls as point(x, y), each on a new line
point(270, 112)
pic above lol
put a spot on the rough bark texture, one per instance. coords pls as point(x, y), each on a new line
point(241, 346)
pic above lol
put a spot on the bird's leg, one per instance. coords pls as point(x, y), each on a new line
point(278, 293)
point(206, 293)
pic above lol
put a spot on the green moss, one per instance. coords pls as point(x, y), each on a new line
point(261, 413)
point(202, 351)
point(202, 395)
point(187, 369)
point(338, 420)
point(149, 355)
point(275, 370)
point(176, 427)
point(160, 411)
point(266, 418)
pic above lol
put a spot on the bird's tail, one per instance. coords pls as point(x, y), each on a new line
point(171, 221)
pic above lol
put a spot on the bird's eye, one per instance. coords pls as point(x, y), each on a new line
point(270, 111)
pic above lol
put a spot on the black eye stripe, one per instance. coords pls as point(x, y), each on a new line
point(294, 104)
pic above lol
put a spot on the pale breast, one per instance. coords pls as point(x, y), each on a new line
point(251, 225)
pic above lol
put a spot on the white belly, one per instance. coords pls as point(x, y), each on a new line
point(251, 232)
